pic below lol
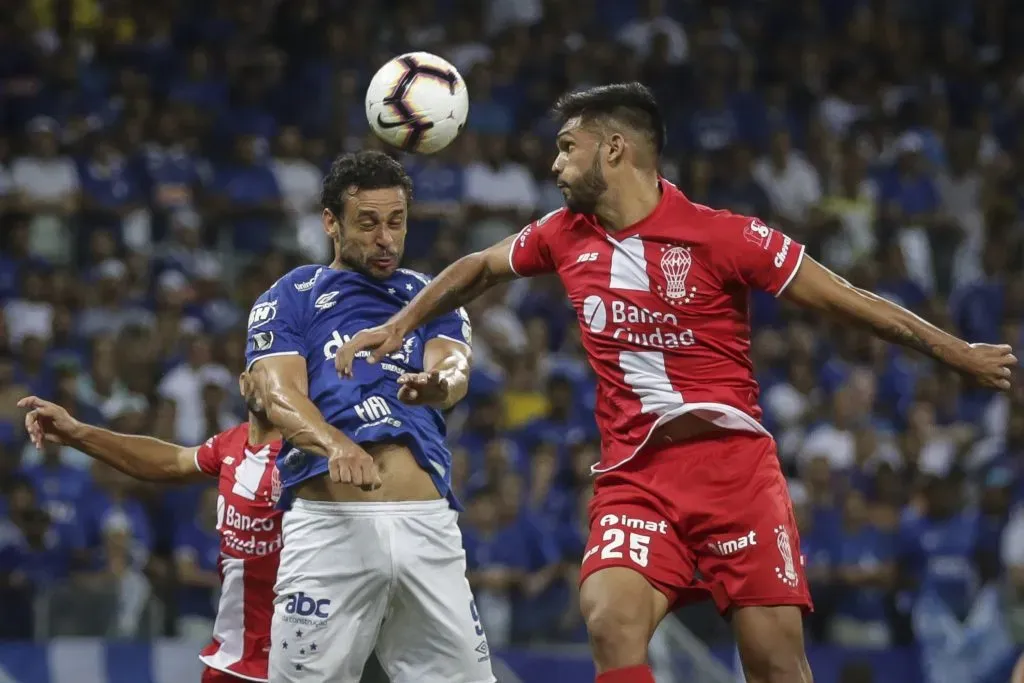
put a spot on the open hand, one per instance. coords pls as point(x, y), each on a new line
point(991, 365)
point(350, 464)
point(47, 422)
point(423, 388)
point(379, 341)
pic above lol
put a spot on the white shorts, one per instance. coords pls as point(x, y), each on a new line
point(355, 577)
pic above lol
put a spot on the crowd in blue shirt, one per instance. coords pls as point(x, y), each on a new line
point(160, 166)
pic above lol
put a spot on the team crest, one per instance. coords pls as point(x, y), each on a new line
point(787, 572)
point(275, 485)
point(675, 266)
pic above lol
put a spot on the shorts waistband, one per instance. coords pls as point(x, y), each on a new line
point(396, 509)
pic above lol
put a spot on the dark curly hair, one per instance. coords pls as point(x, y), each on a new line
point(363, 171)
point(630, 104)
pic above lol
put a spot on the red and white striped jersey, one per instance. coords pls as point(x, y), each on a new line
point(663, 310)
point(250, 549)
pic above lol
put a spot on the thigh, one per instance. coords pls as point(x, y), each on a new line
point(631, 528)
point(740, 524)
point(770, 641)
point(331, 595)
point(433, 633)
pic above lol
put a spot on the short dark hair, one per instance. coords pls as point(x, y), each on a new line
point(367, 170)
point(632, 104)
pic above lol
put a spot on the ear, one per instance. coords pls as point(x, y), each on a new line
point(331, 224)
point(616, 149)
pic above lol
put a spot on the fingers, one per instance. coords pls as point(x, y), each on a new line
point(409, 395)
point(31, 402)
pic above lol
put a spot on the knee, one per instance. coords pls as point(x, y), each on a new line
point(619, 624)
point(772, 648)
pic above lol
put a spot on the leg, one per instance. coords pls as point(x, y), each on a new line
point(432, 633)
point(749, 551)
point(633, 571)
point(331, 594)
point(771, 644)
point(621, 610)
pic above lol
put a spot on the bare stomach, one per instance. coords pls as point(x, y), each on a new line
point(683, 428)
point(403, 480)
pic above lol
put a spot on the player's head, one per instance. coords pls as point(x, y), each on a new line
point(366, 204)
point(253, 403)
point(605, 130)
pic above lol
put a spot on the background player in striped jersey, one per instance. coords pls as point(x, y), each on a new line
point(689, 477)
point(242, 459)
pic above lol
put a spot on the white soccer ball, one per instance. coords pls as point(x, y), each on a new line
point(417, 102)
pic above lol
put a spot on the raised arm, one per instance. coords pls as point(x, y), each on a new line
point(457, 285)
point(280, 382)
point(141, 457)
point(817, 288)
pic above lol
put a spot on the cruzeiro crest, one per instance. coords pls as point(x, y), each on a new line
point(675, 265)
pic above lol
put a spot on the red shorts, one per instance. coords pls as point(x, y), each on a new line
point(709, 517)
point(217, 676)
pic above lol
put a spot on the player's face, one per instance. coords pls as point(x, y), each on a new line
point(577, 167)
point(370, 236)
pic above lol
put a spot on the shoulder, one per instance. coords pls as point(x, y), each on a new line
point(301, 279)
point(228, 441)
point(546, 228)
point(420, 280)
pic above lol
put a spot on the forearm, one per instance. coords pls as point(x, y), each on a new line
point(897, 325)
point(300, 422)
point(453, 370)
point(455, 286)
point(141, 457)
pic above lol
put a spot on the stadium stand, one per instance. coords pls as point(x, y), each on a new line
point(160, 166)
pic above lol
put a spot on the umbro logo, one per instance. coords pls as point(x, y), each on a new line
point(325, 301)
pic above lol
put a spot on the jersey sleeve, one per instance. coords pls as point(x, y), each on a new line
point(756, 255)
point(276, 324)
point(530, 253)
point(208, 458)
point(454, 326)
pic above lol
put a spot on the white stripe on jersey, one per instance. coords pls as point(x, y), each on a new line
point(645, 373)
point(229, 627)
point(629, 265)
point(249, 473)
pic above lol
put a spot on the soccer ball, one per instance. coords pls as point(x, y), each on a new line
point(417, 102)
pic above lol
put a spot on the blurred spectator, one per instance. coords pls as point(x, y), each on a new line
point(47, 188)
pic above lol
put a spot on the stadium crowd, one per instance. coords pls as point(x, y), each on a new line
point(160, 166)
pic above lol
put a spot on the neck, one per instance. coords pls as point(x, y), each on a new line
point(260, 432)
point(629, 201)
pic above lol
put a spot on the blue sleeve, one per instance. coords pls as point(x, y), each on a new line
point(454, 326)
point(276, 323)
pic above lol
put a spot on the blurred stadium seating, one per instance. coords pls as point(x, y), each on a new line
point(160, 165)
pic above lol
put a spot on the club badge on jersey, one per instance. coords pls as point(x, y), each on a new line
point(311, 312)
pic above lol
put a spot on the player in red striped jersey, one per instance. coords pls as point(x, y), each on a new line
point(242, 459)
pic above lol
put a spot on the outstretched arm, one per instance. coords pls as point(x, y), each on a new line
point(281, 383)
point(817, 288)
point(141, 457)
point(457, 285)
point(446, 380)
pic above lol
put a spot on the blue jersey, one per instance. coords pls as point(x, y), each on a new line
point(311, 312)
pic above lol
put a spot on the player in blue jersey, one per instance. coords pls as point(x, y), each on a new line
point(373, 557)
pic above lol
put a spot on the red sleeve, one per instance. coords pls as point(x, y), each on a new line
point(756, 255)
point(208, 458)
point(530, 253)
